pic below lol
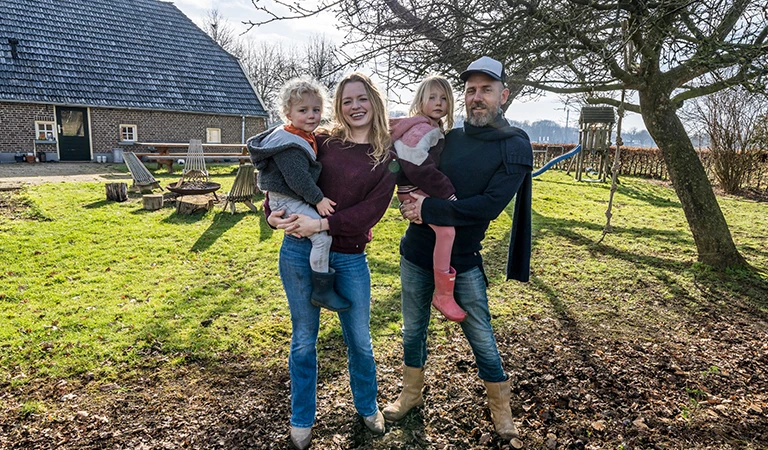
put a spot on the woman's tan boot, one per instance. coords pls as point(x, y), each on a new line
point(501, 413)
point(410, 397)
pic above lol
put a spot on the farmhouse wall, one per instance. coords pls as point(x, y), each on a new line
point(161, 126)
point(17, 127)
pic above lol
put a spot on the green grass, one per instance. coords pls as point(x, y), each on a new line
point(88, 285)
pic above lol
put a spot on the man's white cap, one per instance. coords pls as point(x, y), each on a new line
point(486, 65)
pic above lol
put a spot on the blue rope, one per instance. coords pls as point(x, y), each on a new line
point(562, 157)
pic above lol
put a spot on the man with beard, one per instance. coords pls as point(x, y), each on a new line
point(489, 162)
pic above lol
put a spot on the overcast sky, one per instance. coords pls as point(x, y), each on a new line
point(298, 31)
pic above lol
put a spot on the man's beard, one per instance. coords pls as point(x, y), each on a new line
point(478, 118)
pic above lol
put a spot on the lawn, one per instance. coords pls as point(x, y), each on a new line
point(114, 319)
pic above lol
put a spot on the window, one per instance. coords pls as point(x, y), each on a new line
point(72, 123)
point(44, 131)
point(128, 133)
point(213, 135)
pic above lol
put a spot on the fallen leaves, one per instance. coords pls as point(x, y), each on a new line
point(572, 389)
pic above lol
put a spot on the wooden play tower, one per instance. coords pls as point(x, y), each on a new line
point(595, 127)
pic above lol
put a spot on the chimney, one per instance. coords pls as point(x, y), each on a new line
point(14, 52)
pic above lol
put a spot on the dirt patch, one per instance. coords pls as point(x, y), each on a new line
point(14, 175)
point(11, 206)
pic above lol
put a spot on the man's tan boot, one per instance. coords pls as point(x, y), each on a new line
point(410, 397)
point(501, 413)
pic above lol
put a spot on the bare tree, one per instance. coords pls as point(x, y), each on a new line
point(321, 61)
point(407, 40)
point(269, 65)
point(677, 50)
point(219, 29)
point(732, 119)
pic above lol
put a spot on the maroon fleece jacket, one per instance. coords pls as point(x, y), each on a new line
point(362, 193)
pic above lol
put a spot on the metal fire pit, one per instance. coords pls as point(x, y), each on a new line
point(194, 179)
point(194, 188)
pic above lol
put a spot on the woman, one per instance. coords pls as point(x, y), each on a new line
point(355, 154)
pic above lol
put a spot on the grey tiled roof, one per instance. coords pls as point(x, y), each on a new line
point(143, 54)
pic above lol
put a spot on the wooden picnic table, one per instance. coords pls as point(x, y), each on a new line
point(164, 157)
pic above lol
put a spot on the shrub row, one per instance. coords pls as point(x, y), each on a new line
point(647, 162)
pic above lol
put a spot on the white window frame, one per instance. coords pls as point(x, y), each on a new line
point(210, 134)
point(125, 127)
point(47, 127)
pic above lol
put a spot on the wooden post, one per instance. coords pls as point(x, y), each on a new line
point(152, 202)
point(117, 192)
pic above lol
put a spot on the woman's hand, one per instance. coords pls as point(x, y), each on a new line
point(304, 226)
point(411, 209)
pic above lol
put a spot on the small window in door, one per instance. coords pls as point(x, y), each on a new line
point(213, 135)
point(72, 124)
point(44, 131)
point(128, 133)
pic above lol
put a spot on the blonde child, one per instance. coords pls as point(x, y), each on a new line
point(419, 141)
point(286, 158)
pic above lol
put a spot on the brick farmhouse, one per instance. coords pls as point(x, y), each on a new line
point(79, 78)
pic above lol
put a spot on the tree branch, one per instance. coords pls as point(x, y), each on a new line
point(615, 103)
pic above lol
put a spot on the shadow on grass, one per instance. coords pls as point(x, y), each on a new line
point(572, 183)
point(563, 227)
point(386, 266)
point(167, 207)
point(648, 197)
point(184, 218)
point(222, 221)
point(265, 231)
point(97, 204)
point(746, 290)
point(629, 191)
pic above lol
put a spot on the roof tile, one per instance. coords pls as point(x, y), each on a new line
point(118, 53)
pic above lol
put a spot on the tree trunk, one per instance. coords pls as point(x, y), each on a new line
point(191, 204)
point(117, 192)
point(152, 202)
point(714, 243)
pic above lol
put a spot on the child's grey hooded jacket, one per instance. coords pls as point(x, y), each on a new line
point(286, 164)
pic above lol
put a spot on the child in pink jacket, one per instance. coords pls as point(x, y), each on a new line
point(419, 140)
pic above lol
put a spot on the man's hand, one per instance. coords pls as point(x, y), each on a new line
point(411, 209)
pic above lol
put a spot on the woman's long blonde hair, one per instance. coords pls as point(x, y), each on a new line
point(422, 97)
point(378, 136)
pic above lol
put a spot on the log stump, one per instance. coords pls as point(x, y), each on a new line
point(191, 204)
point(152, 202)
point(117, 192)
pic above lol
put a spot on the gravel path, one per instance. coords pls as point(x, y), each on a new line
point(14, 175)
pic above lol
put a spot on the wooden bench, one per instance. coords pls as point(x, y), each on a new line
point(164, 157)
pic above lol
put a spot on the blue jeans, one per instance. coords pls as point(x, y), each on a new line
point(353, 281)
point(418, 284)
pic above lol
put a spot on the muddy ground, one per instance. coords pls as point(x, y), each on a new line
point(702, 385)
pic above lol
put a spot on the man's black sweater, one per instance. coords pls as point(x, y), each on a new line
point(488, 166)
